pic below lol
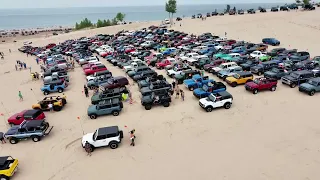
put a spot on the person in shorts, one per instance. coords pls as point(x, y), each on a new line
point(2, 138)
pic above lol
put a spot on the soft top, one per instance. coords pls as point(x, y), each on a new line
point(32, 123)
point(243, 73)
point(108, 130)
point(31, 113)
point(3, 159)
point(223, 94)
point(114, 100)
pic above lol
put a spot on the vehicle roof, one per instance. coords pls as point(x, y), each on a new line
point(3, 159)
point(31, 112)
point(242, 73)
point(112, 100)
point(32, 123)
point(317, 79)
point(224, 93)
point(303, 72)
point(108, 130)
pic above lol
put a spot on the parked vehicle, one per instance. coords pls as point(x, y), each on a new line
point(137, 71)
point(271, 41)
point(54, 87)
point(276, 73)
point(222, 66)
point(311, 86)
point(56, 101)
point(197, 82)
point(28, 115)
point(94, 69)
point(109, 94)
point(223, 74)
point(97, 74)
point(114, 82)
point(260, 84)
point(109, 106)
point(187, 74)
point(165, 63)
point(106, 136)
point(239, 78)
point(297, 77)
point(8, 167)
point(34, 129)
point(213, 101)
point(263, 67)
point(161, 97)
point(206, 90)
point(177, 70)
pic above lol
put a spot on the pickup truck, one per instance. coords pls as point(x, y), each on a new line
point(197, 82)
point(34, 129)
point(114, 82)
point(206, 90)
point(95, 68)
point(260, 84)
point(164, 63)
point(177, 70)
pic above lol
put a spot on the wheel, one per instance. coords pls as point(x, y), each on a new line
point(209, 108)
point(115, 113)
point(45, 92)
point(224, 78)
point(113, 145)
point(273, 88)
point(93, 116)
point(11, 124)
point(259, 73)
point(57, 108)
point(293, 85)
point(148, 106)
point(13, 140)
point(311, 93)
point(191, 88)
point(64, 101)
point(36, 138)
point(227, 105)
point(234, 84)
point(3, 177)
point(166, 104)
point(255, 91)
point(60, 90)
point(249, 80)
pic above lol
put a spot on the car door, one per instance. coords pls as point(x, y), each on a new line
point(102, 110)
point(101, 141)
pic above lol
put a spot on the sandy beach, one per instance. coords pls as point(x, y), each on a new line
point(268, 136)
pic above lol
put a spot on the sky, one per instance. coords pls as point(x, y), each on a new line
point(8, 4)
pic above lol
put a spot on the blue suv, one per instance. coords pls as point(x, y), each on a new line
point(271, 41)
point(54, 87)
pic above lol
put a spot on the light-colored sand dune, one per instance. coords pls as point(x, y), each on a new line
point(271, 135)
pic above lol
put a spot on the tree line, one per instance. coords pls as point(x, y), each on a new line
point(86, 23)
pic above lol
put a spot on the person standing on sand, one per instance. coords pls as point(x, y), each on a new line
point(20, 96)
point(2, 138)
point(37, 60)
point(177, 92)
point(9, 50)
point(86, 91)
point(16, 67)
point(88, 148)
point(132, 137)
point(182, 94)
point(173, 84)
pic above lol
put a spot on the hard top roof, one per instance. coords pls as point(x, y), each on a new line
point(302, 72)
point(31, 112)
point(243, 73)
point(32, 123)
point(223, 94)
point(113, 100)
point(3, 159)
point(108, 130)
point(317, 79)
point(142, 67)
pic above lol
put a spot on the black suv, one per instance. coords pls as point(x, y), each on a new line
point(251, 11)
point(156, 86)
point(144, 75)
point(284, 8)
point(161, 97)
point(274, 9)
point(297, 77)
point(276, 51)
point(248, 64)
point(263, 67)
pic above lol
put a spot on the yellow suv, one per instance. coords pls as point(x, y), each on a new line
point(56, 101)
point(239, 78)
point(8, 166)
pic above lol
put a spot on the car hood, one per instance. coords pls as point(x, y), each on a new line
point(306, 85)
point(87, 137)
point(289, 78)
point(216, 68)
point(170, 71)
point(199, 91)
point(223, 72)
point(270, 73)
point(13, 130)
point(203, 101)
point(92, 108)
point(178, 76)
point(13, 117)
point(188, 81)
point(231, 79)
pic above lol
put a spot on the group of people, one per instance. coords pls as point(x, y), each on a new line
point(179, 92)
point(88, 147)
point(20, 65)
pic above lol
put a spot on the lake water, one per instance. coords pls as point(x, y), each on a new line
point(32, 18)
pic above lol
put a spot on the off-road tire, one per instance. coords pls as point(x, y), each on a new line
point(293, 85)
point(13, 140)
point(148, 106)
point(191, 88)
point(57, 108)
point(36, 138)
point(113, 145)
point(259, 73)
point(64, 101)
point(209, 108)
point(60, 90)
point(234, 84)
point(312, 92)
point(115, 113)
point(273, 88)
point(93, 116)
point(255, 91)
point(3, 177)
point(227, 105)
point(46, 92)
point(224, 78)
point(11, 124)
point(166, 104)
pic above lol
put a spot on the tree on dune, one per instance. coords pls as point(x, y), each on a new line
point(100, 23)
point(120, 16)
point(228, 8)
point(306, 2)
point(171, 8)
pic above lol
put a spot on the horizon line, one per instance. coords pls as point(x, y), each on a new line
point(143, 5)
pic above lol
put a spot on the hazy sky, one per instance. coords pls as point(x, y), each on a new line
point(95, 3)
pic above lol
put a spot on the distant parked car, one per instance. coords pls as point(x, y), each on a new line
point(251, 11)
point(274, 9)
point(271, 41)
point(284, 8)
point(240, 11)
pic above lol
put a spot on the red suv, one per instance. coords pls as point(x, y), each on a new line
point(34, 114)
point(95, 68)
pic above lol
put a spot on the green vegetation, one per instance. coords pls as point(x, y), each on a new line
point(86, 23)
point(306, 2)
point(171, 8)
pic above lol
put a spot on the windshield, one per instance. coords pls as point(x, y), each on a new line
point(237, 76)
point(256, 81)
point(275, 70)
point(211, 97)
point(94, 137)
point(295, 75)
point(312, 82)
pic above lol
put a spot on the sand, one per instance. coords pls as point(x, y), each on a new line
point(271, 135)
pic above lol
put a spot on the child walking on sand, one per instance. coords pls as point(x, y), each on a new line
point(182, 94)
point(132, 137)
point(88, 148)
point(177, 92)
point(20, 96)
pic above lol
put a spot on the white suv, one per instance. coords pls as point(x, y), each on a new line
point(105, 136)
point(220, 99)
